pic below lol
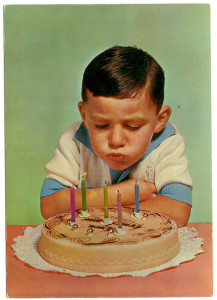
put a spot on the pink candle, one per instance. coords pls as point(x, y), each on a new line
point(73, 204)
point(119, 208)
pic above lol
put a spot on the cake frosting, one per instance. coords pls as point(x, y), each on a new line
point(91, 246)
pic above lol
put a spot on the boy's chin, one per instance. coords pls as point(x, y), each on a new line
point(118, 166)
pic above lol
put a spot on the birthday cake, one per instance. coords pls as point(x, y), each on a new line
point(92, 245)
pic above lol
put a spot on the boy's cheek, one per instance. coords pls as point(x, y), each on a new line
point(96, 140)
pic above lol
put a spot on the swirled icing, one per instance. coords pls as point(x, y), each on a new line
point(149, 241)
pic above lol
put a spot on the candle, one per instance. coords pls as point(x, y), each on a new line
point(137, 197)
point(119, 210)
point(119, 229)
point(106, 201)
point(83, 188)
point(73, 205)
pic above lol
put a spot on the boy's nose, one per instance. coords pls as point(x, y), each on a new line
point(116, 138)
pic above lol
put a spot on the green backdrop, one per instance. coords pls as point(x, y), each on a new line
point(47, 48)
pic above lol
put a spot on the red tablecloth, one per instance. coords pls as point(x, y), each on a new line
point(190, 279)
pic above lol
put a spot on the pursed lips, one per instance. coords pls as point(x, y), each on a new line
point(116, 156)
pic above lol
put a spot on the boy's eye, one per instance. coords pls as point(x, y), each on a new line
point(130, 127)
point(101, 126)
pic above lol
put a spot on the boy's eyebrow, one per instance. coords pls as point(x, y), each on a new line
point(98, 119)
point(135, 119)
point(128, 119)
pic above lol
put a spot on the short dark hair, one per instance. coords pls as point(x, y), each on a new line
point(123, 72)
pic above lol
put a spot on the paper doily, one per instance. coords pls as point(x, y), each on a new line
point(26, 249)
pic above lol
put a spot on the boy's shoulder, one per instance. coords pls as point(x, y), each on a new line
point(71, 130)
point(168, 135)
point(67, 138)
point(170, 141)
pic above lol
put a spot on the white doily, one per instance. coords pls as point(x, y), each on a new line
point(26, 250)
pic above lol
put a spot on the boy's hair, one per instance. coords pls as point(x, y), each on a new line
point(123, 72)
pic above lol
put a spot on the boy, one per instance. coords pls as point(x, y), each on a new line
point(125, 136)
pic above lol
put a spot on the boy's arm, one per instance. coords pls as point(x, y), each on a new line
point(60, 201)
point(176, 210)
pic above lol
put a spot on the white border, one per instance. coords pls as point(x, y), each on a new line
point(213, 7)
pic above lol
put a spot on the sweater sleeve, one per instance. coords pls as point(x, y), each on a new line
point(51, 186)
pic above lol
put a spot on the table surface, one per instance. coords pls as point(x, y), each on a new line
point(189, 279)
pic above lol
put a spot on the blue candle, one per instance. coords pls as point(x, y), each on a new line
point(137, 197)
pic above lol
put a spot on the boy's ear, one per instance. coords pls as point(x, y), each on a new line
point(163, 117)
point(81, 110)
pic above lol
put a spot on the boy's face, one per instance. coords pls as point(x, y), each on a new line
point(120, 130)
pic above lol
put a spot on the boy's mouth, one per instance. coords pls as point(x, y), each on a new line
point(116, 156)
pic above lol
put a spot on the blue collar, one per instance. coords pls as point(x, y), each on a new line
point(82, 135)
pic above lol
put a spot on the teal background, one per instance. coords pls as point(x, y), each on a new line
point(47, 48)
